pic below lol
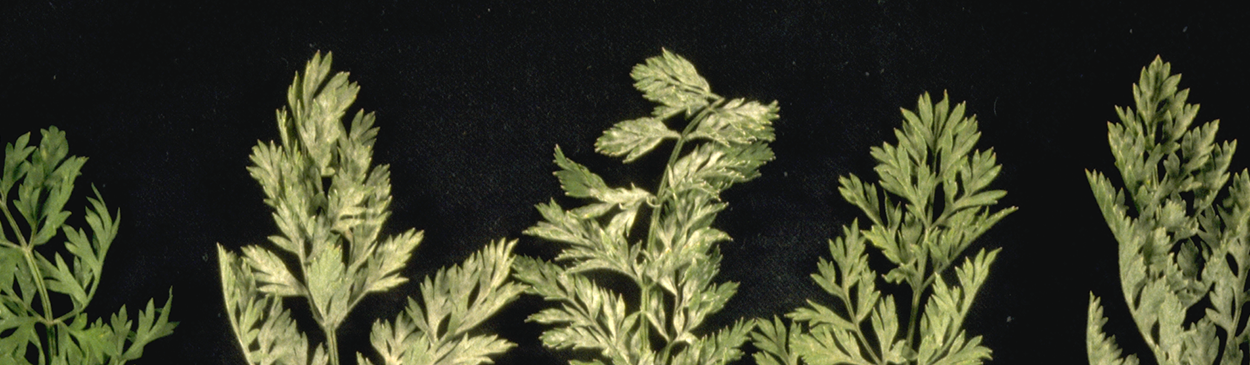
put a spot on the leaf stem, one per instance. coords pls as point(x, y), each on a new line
point(911, 320)
point(33, 267)
point(17, 231)
point(845, 296)
point(8, 244)
point(668, 348)
point(864, 339)
point(332, 344)
point(859, 332)
point(1234, 339)
point(918, 286)
point(662, 192)
point(28, 254)
point(234, 320)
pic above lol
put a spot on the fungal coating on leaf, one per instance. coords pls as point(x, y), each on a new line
point(332, 234)
point(723, 142)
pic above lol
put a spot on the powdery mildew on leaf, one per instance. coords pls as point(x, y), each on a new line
point(723, 142)
point(329, 251)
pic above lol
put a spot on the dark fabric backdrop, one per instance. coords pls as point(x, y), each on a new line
point(167, 100)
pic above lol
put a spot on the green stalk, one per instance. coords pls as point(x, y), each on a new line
point(662, 191)
point(918, 286)
point(859, 332)
point(330, 329)
point(234, 322)
point(911, 321)
point(864, 341)
point(332, 341)
point(1232, 341)
point(665, 196)
point(43, 298)
point(33, 267)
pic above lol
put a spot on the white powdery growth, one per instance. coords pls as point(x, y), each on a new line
point(330, 234)
point(723, 142)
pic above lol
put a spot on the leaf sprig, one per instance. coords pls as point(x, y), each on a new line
point(329, 251)
point(1177, 246)
point(931, 203)
point(723, 143)
point(29, 320)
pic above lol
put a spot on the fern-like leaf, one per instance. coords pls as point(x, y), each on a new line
point(1177, 245)
point(329, 251)
point(931, 203)
point(724, 142)
point(33, 325)
point(455, 301)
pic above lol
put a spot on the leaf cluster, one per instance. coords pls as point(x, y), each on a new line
point(454, 302)
point(930, 204)
point(723, 142)
point(1177, 245)
point(330, 204)
point(31, 318)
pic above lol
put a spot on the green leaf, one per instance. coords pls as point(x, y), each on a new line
point(944, 341)
point(153, 324)
point(46, 188)
point(1101, 349)
point(11, 262)
point(328, 285)
point(673, 82)
point(828, 346)
point(93, 342)
point(738, 122)
point(15, 154)
point(1176, 246)
point(713, 167)
point(772, 339)
point(577, 180)
point(60, 279)
point(723, 143)
point(417, 336)
point(33, 328)
point(719, 348)
point(272, 275)
point(885, 326)
point(329, 204)
point(391, 257)
point(20, 333)
point(934, 158)
point(634, 138)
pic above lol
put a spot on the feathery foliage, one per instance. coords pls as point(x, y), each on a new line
point(330, 251)
point(723, 142)
point(931, 203)
point(1179, 249)
point(44, 176)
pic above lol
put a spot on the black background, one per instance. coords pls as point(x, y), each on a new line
point(167, 101)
